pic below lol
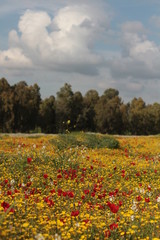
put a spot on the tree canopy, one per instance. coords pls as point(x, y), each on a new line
point(23, 110)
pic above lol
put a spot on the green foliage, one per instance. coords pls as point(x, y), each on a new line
point(89, 140)
point(23, 111)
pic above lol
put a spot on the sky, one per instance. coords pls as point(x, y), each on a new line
point(89, 44)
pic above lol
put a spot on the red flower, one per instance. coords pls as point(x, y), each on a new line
point(75, 213)
point(60, 192)
point(29, 160)
point(133, 163)
point(9, 192)
point(147, 200)
point(64, 194)
point(107, 234)
point(138, 174)
point(86, 191)
point(93, 194)
point(70, 194)
point(45, 175)
point(139, 198)
point(50, 203)
point(114, 208)
point(113, 226)
point(59, 176)
point(86, 221)
point(52, 191)
point(5, 206)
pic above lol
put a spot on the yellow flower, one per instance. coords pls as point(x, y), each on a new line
point(25, 224)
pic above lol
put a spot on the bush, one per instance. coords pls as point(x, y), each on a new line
point(89, 140)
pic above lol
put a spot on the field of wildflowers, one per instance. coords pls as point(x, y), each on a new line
point(79, 192)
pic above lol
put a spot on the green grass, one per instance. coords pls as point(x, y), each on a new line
point(90, 140)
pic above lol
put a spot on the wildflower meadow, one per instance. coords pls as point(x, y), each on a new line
point(54, 189)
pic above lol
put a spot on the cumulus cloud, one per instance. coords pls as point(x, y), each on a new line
point(140, 58)
point(155, 21)
point(14, 58)
point(64, 43)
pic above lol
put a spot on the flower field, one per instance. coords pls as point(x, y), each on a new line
point(79, 192)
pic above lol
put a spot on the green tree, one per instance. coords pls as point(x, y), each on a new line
point(27, 101)
point(136, 116)
point(6, 106)
point(108, 112)
point(77, 111)
point(47, 115)
point(64, 103)
point(90, 100)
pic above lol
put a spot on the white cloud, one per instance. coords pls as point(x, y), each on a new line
point(155, 21)
point(64, 43)
point(14, 58)
point(140, 58)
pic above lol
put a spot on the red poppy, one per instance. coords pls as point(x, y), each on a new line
point(64, 194)
point(29, 160)
point(70, 194)
point(107, 234)
point(114, 208)
point(93, 194)
point(9, 192)
point(5, 206)
point(45, 175)
point(86, 221)
point(147, 200)
point(86, 191)
point(120, 203)
point(113, 226)
point(139, 198)
point(52, 191)
point(75, 213)
point(60, 192)
point(59, 176)
point(6, 181)
point(138, 174)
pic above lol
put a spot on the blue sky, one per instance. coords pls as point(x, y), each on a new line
point(90, 44)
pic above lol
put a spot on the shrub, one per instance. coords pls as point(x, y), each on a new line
point(89, 140)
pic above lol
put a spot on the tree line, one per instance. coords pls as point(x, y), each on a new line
point(23, 110)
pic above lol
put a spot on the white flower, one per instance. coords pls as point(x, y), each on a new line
point(77, 224)
point(134, 207)
point(12, 182)
point(39, 236)
point(111, 199)
point(158, 199)
point(137, 190)
point(141, 190)
point(132, 217)
point(57, 237)
point(149, 194)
